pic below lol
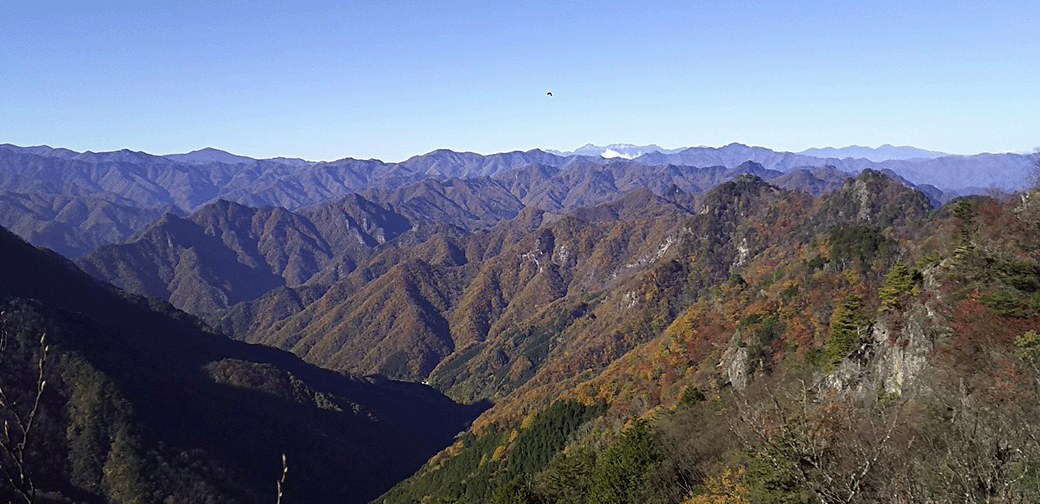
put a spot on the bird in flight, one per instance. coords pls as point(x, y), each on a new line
point(549, 93)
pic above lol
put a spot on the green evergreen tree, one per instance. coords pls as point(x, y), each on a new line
point(623, 472)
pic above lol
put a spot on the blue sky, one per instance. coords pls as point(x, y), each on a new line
point(392, 79)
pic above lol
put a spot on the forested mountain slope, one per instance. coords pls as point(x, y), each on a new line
point(73, 225)
point(464, 296)
point(857, 347)
point(227, 253)
point(142, 404)
point(436, 294)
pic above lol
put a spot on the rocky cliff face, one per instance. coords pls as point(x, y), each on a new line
point(900, 363)
point(894, 351)
point(889, 359)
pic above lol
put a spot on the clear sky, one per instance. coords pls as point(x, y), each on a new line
point(391, 79)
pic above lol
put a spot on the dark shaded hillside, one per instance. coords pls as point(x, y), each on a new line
point(227, 253)
point(144, 405)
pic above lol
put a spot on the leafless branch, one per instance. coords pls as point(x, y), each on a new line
point(281, 481)
point(17, 432)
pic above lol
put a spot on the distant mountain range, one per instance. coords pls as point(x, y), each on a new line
point(74, 202)
point(948, 172)
point(625, 151)
point(884, 153)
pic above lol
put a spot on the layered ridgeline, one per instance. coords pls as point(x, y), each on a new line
point(281, 261)
point(74, 202)
point(435, 295)
point(421, 288)
point(854, 347)
point(226, 253)
point(142, 404)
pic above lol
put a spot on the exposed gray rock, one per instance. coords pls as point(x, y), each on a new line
point(735, 365)
point(892, 357)
point(899, 364)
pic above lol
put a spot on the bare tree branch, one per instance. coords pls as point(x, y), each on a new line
point(17, 432)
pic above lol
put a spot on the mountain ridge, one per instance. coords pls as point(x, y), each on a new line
point(886, 152)
point(161, 183)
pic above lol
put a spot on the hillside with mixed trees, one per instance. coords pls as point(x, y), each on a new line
point(866, 349)
point(626, 330)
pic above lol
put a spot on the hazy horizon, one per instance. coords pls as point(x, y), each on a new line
point(572, 151)
point(391, 80)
